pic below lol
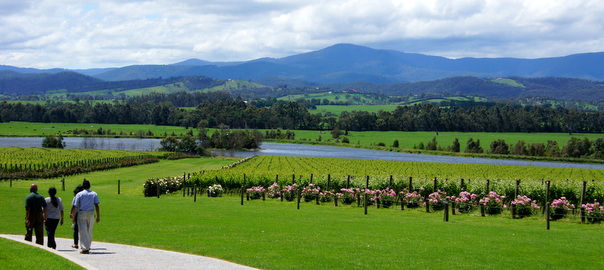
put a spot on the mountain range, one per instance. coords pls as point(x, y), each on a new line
point(346, 63)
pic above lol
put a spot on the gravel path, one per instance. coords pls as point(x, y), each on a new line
point(117, 256)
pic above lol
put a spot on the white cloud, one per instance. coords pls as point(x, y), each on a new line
point(68, 33)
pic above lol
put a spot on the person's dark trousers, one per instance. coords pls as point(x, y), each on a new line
point(51, 227)
point(76, 233)
point(36, 226)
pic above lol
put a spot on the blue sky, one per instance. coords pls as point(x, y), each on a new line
point(114, 33)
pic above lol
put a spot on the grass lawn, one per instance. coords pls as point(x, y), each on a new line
point(276, 235)
point(19, 256)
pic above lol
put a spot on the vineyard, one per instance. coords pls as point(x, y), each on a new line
point(266, 174)
point(29, 163)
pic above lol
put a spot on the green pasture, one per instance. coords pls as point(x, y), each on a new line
point(338, 109)
point(276, 235)
point(408, 139)
point(42, 129)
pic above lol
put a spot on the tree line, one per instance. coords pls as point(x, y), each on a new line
point(220, 108)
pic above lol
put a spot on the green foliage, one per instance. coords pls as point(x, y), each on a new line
point(336, 133)
point(51, 141)
point(455, 147)
point(473, 146)
point(499, 147)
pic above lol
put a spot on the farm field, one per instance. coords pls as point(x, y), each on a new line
point(42, 129)
point(370, 139)
point(48, 156)
point(275, 235)
point(338, 109)
point(332, 174)
point(408, 140)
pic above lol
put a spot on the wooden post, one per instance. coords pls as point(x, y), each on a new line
point(516, 191)
point(435, 184)
point(293, 179)
point(583, 201)
point(311, 176)
point(427, 204)
point(547, 183)
point(365, 197)
point(335, 200)
point(328, 181)
point(348, 182)
point(453, 207)
point(183, 188)
point(242, 189)
point(118, 186)
point(446, 217)
point(195, 193)
point(11, 181)
point(488, 186)
point(462, 185)
point(63, 184)
point(390, 184)
point(299, 195)
point(158, 189)
point(410, 184)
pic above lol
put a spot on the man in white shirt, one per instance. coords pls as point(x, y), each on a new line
point(85, 203)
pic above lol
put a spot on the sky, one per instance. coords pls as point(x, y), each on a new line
point(115, 33)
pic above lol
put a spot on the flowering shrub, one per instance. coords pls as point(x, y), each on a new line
point(371, 198)
point(493, 203)
point(215, 190)
point(348, 196)
point(594, 212)
point(437, 200)
point(255, 192)
point(525, 206)
point(290, 192)
point(413, 199)
point(274, 191)
point(386, 197)
point(560, 208)
point(310, 192)
point(166, 185)
point(466, 202)
point(326, 196)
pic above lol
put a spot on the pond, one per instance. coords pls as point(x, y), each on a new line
point(287, 149)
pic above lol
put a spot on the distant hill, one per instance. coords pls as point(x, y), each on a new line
point(566, 89)
point(13, 83)
point(341, 66)
point(344, 63)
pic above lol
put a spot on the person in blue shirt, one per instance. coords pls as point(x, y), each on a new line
point(84, 204)
point(35, 215)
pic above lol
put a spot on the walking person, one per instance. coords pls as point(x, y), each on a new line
point(85, 203)
point(35, 215)
point(54, 215)
point(74, 219)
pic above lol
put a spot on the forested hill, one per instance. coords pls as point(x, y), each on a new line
point(554, 88)
point(567, 89)
point(16, 84)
